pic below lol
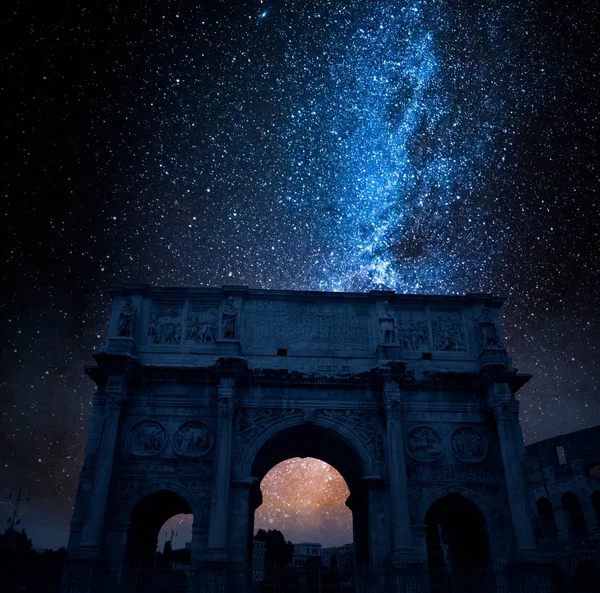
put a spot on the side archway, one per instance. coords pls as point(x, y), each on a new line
point(458, 551)
point(572, 508)
point(146, 519)
point(545, 512)
point(596, 505)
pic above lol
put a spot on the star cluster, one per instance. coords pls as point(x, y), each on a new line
point(439, 146)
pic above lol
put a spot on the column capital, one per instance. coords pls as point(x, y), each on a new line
point(226, 387)
point(115, 393)
point(500, 398)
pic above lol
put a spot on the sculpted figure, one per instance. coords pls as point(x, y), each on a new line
point(206, 334)
point(153, 329)
point(228, 320)
point(488, 330)
point(126, 319)
point(387, 324)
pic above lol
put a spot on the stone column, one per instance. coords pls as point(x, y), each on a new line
point(219, 508)
point(400, 511)
point(115, 396)
point(199, 536)
point(500, 399)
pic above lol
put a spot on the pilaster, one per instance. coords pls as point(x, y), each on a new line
point(400, 510)
point(219, 509)
point(115, 397)
point(505, 408)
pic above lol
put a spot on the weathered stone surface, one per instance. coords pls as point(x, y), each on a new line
point(215, 386)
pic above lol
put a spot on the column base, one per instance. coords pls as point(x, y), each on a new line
point(527, 555)
point(212, 576)
point(88, 552)
point(215, 556)
point(402, 556)
point(530, 576)
point(408, 575)
point(85, 576)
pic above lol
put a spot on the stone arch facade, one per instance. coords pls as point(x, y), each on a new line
point(197, 386)
point(494, 523)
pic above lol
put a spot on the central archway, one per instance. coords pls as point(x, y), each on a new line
point(327, 444)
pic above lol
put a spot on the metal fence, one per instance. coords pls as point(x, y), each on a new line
point(585, 578)
point(538, 579)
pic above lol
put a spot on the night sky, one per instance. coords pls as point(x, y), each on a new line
point(443, 146)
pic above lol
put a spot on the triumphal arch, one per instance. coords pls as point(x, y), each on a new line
point(200, 392)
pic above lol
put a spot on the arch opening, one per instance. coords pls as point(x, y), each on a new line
point(305, 500)
point(596, 504)
point(174, 540)
point(458, 549)
point(321, 446)
point(545, 511)
point(143, 568)
point(593, 471)
point(147, 518)
point(572, 508)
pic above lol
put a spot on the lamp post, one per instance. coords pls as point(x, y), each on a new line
point(14, 518)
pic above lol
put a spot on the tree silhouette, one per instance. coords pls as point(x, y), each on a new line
point(25, 569)
point(278, 552)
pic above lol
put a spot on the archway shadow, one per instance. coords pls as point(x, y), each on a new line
point(458, 549)
point(141, 567)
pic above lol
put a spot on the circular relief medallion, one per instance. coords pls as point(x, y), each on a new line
point(146, 438)
point(468, 444)
point(193, 439)
point(423, 443)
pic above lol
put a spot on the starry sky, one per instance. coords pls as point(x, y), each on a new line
point(439, 146)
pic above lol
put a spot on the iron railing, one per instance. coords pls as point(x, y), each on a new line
point(583, 578)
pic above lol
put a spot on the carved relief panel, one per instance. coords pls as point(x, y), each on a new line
point(166, 325)
point(203, 323)
point(306, 325)
point(412, 331)
point(146, 438)
point(447, 331)
point(193, 439)
point(366, 425)
point(425, 444)
point(468, 444)
point(253, 421)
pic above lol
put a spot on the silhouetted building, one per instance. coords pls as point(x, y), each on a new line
point(344, 557)
point(258, 561)
point(305, 551)
point(563, 475)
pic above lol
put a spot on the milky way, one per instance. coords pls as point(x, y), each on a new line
point(444, 147)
